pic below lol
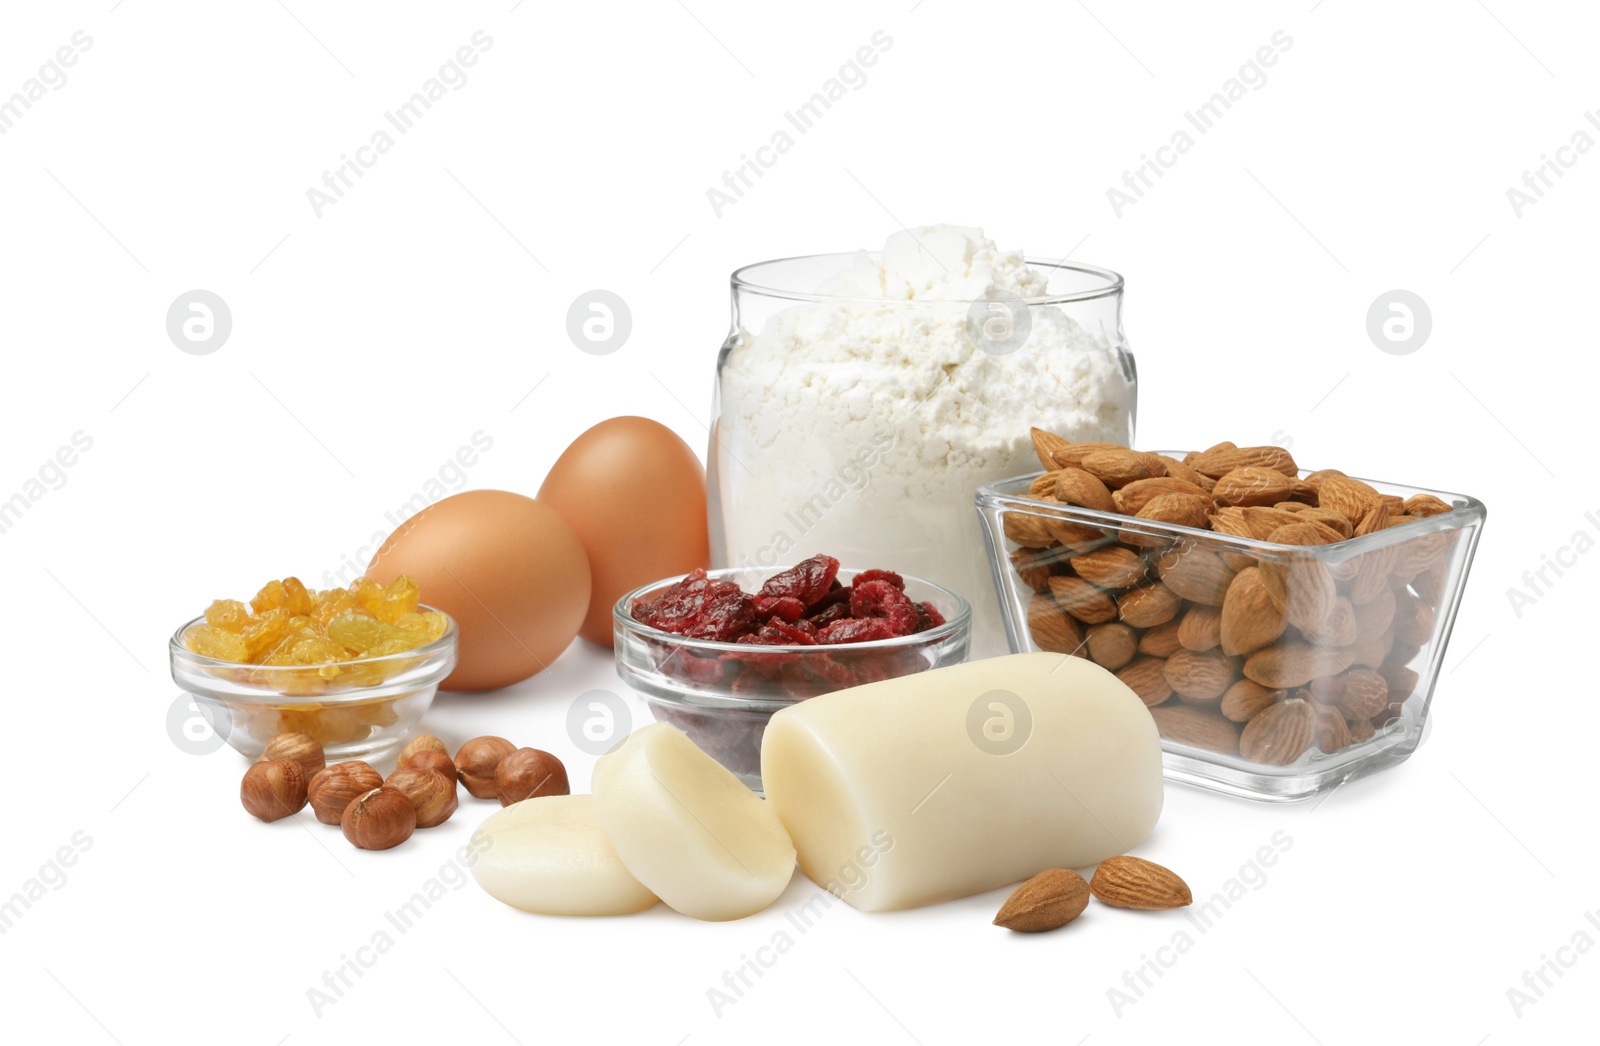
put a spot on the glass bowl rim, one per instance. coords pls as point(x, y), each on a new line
point(1471, 508)
point(955, 624)
point(742, 280)
point(427, 651)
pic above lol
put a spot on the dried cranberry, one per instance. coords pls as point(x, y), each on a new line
point(800, 682)
point(833, 597)
point(858, 630)
point(881, 575)
point(675, 608)
point(928, 616)
point(800, 634)
point(881, 600)
point(726, 614)
point(837, 612)
point(701, 671)
point(787, 608)
point(807, 581)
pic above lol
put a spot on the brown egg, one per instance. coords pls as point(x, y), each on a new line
point(635, 495)
point(507, 568)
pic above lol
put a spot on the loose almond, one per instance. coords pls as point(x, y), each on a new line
point(1133, 882)
point(1049, 900)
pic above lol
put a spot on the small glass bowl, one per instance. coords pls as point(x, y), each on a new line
point(359, 709)
point(722, 694)
point(1394, 598)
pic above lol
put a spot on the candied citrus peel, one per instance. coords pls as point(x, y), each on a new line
point(289, 624)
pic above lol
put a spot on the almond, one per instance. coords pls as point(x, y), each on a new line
point(1252, 486)
point(1110, 567)
point(1073, 486)
point(1329, 732)
point(1402, 681)
point(1149, 605)
point(1376, 519)
point(1195, 573)
point(1181, 510)
point(1026, 529)
point(1333, 520)
point(1305, 533)
point(1072, 535)
point(1264, 520)
point(1112, 645)
point(1044, 445)
point(1143, 676)
point(1200, 628)
point(1072, 455)
point(1117, 468)
point(1291, 663)
point(1032, 568)
point(1315, 479)
point(1423, 552)
point(1133, 882)
point(1351, 498)
point(1044, 484)
point(1251, 616)
point(1359, 693)
point(1200, 677)
point(1218, 463)
point(1196, 727)
point(1413, 620)
point(1051, 899)
point(1245, 698)
point(1424, 505)
point(1136, 495)
point(1430, 584)
point(1232, 522)
point(1052, 629)
point(1278, 734)
point(1372, 573)
point(1374, 617)
point(1178, 470)
point(1160, 641)
point(1195, 455)
point(1302, 585)
point(1339, 627)
point(1361, 730)
point(1083, 600)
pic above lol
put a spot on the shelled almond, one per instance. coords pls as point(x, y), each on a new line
point(1263, 653)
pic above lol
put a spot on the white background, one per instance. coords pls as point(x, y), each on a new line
point(370, 343)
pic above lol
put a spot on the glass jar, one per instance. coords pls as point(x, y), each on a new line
point(861, 427)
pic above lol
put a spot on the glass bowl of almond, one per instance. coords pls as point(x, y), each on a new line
point(1285, 627)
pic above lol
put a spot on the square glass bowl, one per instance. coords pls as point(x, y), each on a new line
point(723, 694)
point(1332, 650)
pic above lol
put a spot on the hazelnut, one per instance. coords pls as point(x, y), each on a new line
point(335, 787)
point(299, 747)
point(476, 760)
point(418, 745)
point(432, 794)
point(529, 773)
point(379, 819)
point(432, 761)
point(274, 789)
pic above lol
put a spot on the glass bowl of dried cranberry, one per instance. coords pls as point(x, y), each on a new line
point(715, 653)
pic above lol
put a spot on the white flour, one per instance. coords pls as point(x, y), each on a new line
point(861, 428)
